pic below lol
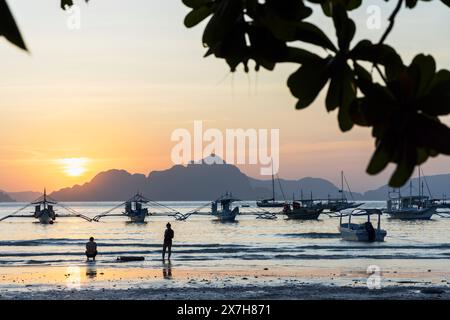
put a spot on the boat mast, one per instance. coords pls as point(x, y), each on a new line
point(45, 198)
point(420, 188)
point(410, 192)
point(342, 185)
point(273, 185)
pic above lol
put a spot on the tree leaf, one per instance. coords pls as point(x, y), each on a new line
point(345, 27)
point(307, 82)
point(379, 54)
point(426, 68)
point(437, 101)
point(307, 32)
point(196, 4)
point(68, 3)
point(347, 96)
point(224, 19)
point(405, 167)
point(8, 27)
point(380, 159)
point(434, 134)
point(196, 16)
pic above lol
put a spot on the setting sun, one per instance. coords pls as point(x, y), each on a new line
point(74, 167)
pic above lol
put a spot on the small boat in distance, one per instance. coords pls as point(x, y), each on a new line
point(412, 207)
point(337, 205)
point(302, 210)
point(225, 213)
point(363, 232)
point(271, 203)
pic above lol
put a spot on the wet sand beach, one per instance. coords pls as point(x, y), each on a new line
point(92, 282)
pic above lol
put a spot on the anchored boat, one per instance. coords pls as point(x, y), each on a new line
point(411, 208)
point(271, 203)
point(337, 205)
point(44, 211)
point(302, 210)
point(225, 212)
point(363, 232)
point(134, 209)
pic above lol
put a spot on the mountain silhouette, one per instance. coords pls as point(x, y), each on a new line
point(437, 186)
point(4, 197)
point(194, 182)
point(25, 196)
point(205, 182)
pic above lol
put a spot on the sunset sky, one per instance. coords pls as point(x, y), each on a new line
point(110, 94)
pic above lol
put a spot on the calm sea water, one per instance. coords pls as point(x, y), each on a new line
point(203, 242)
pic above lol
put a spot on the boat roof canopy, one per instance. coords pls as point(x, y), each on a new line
point(365, 212)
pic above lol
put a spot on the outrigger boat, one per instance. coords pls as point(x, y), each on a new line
point(363, 232)
point(134, 209)
point(302, 210)
point(225, 213)
point(412, 207)
point(44, 211)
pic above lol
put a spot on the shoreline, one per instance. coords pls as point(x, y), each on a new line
point(178, 283)
point(233, 293)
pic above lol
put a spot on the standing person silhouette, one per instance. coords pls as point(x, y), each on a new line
point(167, 245)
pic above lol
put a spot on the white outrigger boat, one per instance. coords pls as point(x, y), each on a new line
point(225, 213)
point(363, 232)
point(134, 209)
point(414, 207)
point(44, 211)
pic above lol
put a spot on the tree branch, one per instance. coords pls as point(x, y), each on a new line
point(386, 33)
point(391, 22)
point(298, 55)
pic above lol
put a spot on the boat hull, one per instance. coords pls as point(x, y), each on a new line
point(354, 233)
point(341, 207)
point(226, 218)
point(270, 204)
point(45, 218)
point(303, 214)
point(137, 218)
point(226, 215)
point(413, 214)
